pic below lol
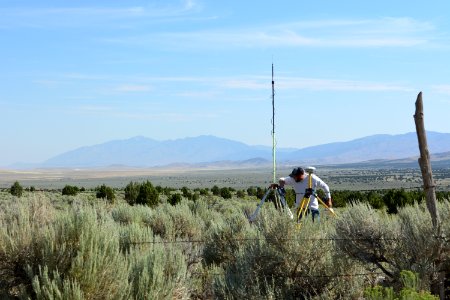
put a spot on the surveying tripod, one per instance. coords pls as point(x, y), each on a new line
point(304, 203)
point(279, 195)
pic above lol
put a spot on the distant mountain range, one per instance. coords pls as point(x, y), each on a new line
point(438, 160)
point(145, 152)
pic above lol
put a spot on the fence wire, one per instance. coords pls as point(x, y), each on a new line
point(263, 239)
point(308, 276)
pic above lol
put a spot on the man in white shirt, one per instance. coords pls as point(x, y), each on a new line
point(300, 181)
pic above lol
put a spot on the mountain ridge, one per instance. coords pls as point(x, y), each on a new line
point(140, 151)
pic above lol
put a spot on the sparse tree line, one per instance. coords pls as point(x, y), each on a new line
point(146, 194)
point(390, 200)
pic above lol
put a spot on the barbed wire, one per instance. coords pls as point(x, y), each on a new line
point(262, 239)
point(306, 276)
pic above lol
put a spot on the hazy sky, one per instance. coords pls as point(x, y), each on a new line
point(77, 73)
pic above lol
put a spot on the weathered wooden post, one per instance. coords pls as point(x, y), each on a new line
point(425, 164)
point(430, 192)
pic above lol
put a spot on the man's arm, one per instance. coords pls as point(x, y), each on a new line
point(323, 186)
point(286, 181)
point(282, 182)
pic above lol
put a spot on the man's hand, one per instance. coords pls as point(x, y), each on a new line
point(328, 202)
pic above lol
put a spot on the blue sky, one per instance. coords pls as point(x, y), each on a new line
point(77, 73)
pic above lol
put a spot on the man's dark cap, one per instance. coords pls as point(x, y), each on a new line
point(297, 171)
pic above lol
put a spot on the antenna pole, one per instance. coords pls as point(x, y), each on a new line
point(273, 130)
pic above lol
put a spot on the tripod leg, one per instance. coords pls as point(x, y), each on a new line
point(278, 202)
point(299, 209)
point(303, 208)
point(253, 216)
point(284, 204)
point(325, 205)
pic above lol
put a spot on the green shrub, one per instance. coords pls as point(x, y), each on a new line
point(251, 191)
point(240, 194)
point(225, 193)
point(215, 190)
point(132, 192)
point(168, 191)
point(260, 192)
point(410, 290)
point(105, 192)
point(375, 200)
point(203, 192)
point(395, 199)
point(148, 195)
point(159, 189)
point(16, 189)
point(195, 196)
point(175, 199)
point(186, 192)
point(70, 190)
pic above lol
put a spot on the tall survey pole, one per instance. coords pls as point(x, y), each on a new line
point(273, 131)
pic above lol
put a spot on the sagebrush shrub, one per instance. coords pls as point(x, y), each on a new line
point(276, 259)
point(78, 247)
point(158, 273)
point(393, 243)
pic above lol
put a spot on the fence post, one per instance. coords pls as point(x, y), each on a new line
point(430, 191)
point(425, 164)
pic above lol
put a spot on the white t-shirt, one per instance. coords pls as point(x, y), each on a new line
point(301, 186)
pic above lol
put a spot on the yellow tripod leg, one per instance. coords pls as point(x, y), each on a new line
point(302, 211)
point(300, 208)
point(303, 208)
point(326, 206)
